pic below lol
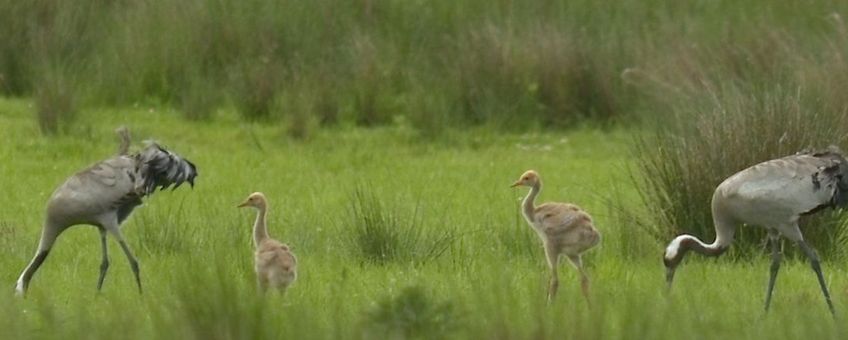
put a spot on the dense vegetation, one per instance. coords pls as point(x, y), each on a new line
point(386, 132)
point(428, 63)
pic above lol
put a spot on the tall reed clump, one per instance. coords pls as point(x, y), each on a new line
point(56, 40)
point(382, 235)
point(511, 66)
point(366, 60)
point(55, 103)
point(548, 76)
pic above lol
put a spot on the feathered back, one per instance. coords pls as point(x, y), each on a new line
point(161, 168)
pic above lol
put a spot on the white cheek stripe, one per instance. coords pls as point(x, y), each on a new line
point(674, 246)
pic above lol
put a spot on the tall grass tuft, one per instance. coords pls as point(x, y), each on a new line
point(381, 235)
point(198, 98)
point(162, 236)
point(411, 314)
point(256, 85)
point(372, 77)
point(223, 309)
point(299, 107)
point(55, 103)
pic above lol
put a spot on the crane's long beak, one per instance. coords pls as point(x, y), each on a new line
point(669, 277)
point(243, 204)
point(517, 183)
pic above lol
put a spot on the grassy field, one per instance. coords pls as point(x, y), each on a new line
point(386, 135)
point(486, 279)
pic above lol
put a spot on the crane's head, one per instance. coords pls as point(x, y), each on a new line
point(528, 179)
point(672, 256)
point(256, 200)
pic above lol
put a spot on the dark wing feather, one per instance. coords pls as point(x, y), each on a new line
point(160, 168)
point(837, 171)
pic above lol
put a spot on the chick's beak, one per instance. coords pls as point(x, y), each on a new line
point(243, 204)
point(517, 183)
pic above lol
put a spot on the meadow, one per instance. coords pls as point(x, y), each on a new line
point(471, 268)
point(386, 134)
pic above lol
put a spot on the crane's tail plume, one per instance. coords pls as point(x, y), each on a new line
point(160, 168)
point(837, 171)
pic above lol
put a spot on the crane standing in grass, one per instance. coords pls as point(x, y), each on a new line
point(104, 195)
point(773, 194)
point(564, 228)
point(275, 264)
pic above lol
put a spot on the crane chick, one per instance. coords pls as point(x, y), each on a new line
point(276, 265)
point(565, 229)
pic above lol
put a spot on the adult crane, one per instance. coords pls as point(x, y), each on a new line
point(773, 194)
point(104, 195)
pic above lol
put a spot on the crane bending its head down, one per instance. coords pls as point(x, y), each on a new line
point(773, 195)
point(104, 195)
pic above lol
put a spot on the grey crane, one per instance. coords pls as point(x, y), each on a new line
point(773, 194)
point(104, 195)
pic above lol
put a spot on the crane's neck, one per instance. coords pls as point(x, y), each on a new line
point(682, 244)
point(260, 227)
point(528, 206)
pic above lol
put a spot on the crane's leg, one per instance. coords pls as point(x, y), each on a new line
point(774, 239)
point(116, 232)
point(584, 279)
point(104, 264)
point(262, 283)
point(814, 262)
point(553, 285)
point(48, 237)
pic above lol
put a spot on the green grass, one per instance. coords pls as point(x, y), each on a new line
point(407, 228)
point(196, 259)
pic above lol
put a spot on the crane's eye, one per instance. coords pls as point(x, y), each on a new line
point(526, 178)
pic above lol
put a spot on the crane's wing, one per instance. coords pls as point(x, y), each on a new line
point(567, 227)
point(277, 255)
point(836, 173)
point(561, 216)
point(157, 167)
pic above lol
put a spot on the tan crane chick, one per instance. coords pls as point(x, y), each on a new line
point(276, 265)
point(565, 229)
